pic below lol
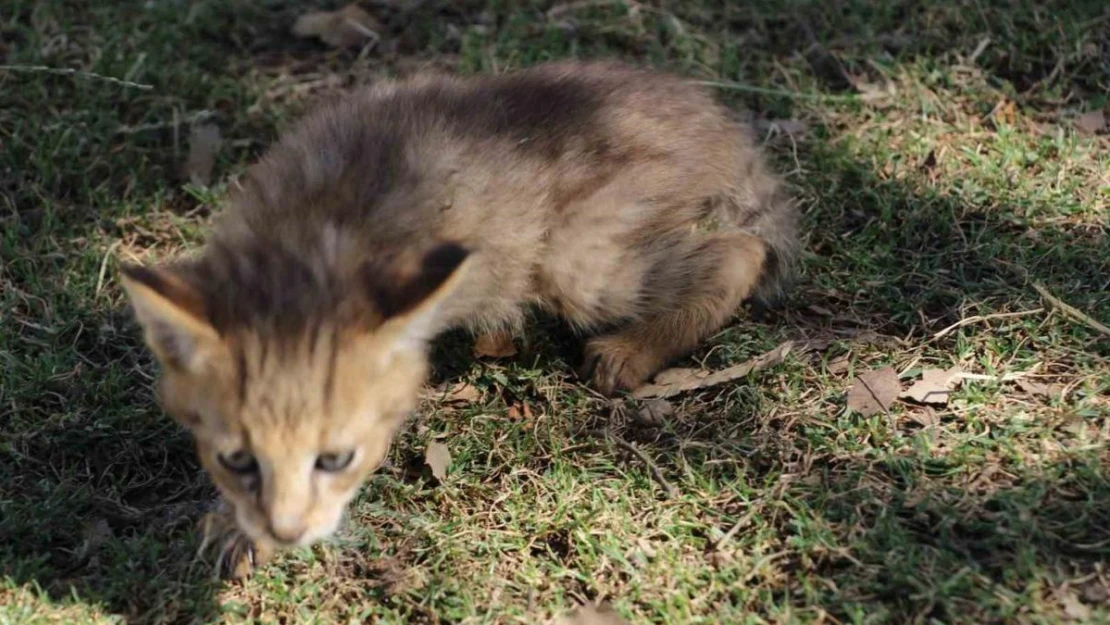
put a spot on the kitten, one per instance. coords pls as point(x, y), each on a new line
point(295, 343)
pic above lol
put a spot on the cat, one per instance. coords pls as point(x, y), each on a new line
point(295, 343)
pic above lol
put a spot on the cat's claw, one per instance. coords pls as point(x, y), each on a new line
point(238, 556)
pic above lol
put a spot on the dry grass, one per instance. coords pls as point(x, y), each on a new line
point(931, 145)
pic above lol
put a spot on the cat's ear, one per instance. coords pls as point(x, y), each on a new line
point(172, 315)
point(407, 291)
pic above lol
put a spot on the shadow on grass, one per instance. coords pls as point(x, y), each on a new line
point(100, 502)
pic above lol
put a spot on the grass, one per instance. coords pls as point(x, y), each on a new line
point(932, 149)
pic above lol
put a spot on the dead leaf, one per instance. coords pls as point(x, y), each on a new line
point(934, 387)
point(204, 145)
point(1005, 112)
point(677, 375)
point(654, 412)
point(874, 391)
point(1091, 122)
point(349, 27)
point(461, 393)
point(840, 364)
point(671, 382)
point(1094, 591)
point(645, 548)
point(1038, 389)
point(438, 459)
point(591, 615)
point(1075, 609)
point(495, 345)
point(819, 310)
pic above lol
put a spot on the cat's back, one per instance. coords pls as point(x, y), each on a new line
point(386, 156)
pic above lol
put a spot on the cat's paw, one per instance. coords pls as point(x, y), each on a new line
point(236, 555)
point(614, 364)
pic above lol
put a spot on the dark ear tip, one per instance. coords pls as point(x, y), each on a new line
point(446, 256)
point(138, 273)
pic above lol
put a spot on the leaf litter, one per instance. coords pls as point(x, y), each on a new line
point(1091, 122)
point(935, 386)
point(592, 615)
point(654, 413)
point(348, 27)
point(671, 382)
point(1040, 389)
point(874, 392)
point(438, 459)
point(458, 393)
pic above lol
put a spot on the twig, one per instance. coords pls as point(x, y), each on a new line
point(69, 71)
point(671, 491)
point(1006, 377)
point(979, 318)
point(979, 49)
point(731, 533)
point(559, 9)
point(104, 267)
point(1070, 310)
point(193, 118)
point(797, 95)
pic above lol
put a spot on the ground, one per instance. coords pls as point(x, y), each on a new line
point(948, 159)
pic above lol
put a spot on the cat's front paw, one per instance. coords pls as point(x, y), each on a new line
point(613, 364)
point(236, 555)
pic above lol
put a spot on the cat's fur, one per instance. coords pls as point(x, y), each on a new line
point(624, 200)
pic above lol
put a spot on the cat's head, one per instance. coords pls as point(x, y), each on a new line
point(292, 376)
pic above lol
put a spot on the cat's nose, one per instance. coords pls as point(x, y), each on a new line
point(287, 530)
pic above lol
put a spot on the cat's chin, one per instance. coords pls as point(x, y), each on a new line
point(258, 534)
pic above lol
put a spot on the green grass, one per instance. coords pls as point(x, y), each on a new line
point(945, 196)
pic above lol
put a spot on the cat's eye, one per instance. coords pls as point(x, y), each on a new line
point(333, 463)
point(240, 462)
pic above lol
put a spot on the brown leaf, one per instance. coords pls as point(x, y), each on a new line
point(934, 387)
point(839, 364)
point(1091, 122)
point(677, 375)
point(819, 310)
point(1038, 389)
point(1005, 112)
point(438, 458)
point(495, 345)
point(1074, 609)
point(590, 615)
point(674, 381)
point(349, 27)
point(654, 412)
point(874, 391)
point(461, 393)
point(204, 145)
